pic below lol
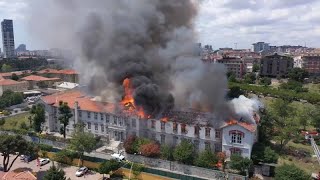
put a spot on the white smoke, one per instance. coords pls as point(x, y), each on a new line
point(245, 107)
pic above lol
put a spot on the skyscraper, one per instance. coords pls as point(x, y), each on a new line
point(7, 38)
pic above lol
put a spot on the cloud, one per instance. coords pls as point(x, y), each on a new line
point(13, 9)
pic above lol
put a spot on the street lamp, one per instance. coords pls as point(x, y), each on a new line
point(131, 166)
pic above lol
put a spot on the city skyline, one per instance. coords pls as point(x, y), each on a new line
point(227, 23)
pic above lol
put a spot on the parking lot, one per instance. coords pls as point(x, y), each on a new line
point(69, 170)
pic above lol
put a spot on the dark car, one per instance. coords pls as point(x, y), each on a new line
point(27, 158)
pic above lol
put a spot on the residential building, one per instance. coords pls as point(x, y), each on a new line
point(67, 75)
point(114, 123)
point(276, 65)
point(8, 75)
point(8, 84)
point(260, 47)
point(7, 38)
point(40, 82)
point(309, 62)
point(17, 175)
point(234, 64)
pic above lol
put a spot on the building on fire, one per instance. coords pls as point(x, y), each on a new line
point(102, 120)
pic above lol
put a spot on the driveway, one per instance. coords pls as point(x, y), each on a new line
point(69, 170)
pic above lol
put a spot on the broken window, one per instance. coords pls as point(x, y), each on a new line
point(208, 132)
point(183, 128)
point(175, 127)
point(218, 134)
point(196, 130)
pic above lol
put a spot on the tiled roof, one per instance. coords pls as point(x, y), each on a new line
point(247, 126)
point(7, 74)
point(8, 82)
point(54, 71)
point(85, 103)
point(26, 175)
point(38, 78)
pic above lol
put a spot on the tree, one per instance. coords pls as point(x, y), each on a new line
point(293, 86)
point(261, 153)
point(255, 67)
point(82, 142)
point(265, 81)
point(285, 127)
point(54, 173)
point(137, 169)
point(13, 146)
point(166, 152)
point(270, 156)
point(23, 125)
point(6, 68)
point(107, 166)
point(64, 116)
point(240, 163)
point(250, 78)
point(235, 92)
point(150, 150)
point(128, 144)
point(291, 172)
point(184, 152)
point(305, 115)
point(316, 118)
point(298, 74)
point(2, 121)
point(38, 117)
point(206, 159)
point(14, 77)
point(231, 76)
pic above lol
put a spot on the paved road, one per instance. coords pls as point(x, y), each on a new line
point(69, 170)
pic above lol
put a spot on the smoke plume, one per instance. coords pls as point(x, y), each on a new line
point(151, 42)
point(245, 107)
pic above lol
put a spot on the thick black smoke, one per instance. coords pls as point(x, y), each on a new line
point(149, 41)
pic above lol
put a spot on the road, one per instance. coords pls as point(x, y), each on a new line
point(69, 170)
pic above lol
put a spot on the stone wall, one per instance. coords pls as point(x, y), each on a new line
point(182, 168)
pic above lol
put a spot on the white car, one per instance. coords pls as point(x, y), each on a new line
point(118, 157)
point(81, 171)
point(44, 161)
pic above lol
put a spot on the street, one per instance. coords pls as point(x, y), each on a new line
point(32, 166)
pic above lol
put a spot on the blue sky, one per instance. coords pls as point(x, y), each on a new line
point(221, 23)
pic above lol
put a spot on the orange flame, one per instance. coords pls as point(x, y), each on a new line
point(128, 100)
point(165, 119)
point(231, 122)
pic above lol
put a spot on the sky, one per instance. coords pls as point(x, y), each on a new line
point(221, 23)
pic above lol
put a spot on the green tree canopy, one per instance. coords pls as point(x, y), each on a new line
point(55, 173)
point(235, 92)
point(14, 77)
point(64, 116)
point(295, 86)
point(107, 166)
point(261, 153)
point(231, 76)
point(255, 67)
point(166, 152)
point(265, 81)
point(2, 121)
point(250, 78)
point(10, 145)
point(292, 172)
point(6, 68)
point(240, 163)
point(82, 142)
point(206, 159)
point(298, 74)
point(38, 117)
point(184, 152)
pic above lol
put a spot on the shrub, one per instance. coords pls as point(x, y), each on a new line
point(137, 169)
point(45, 147)
point(240, 163)
point(128, 144)
point(150, 150)
point(23, 125)
point(2, 121)
point(184, 152)
point(291, 172)
point(206, 159)
point(166, 152)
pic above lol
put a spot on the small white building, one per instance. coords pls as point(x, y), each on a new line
point(105, 120)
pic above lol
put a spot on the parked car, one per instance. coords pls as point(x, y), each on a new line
point(118, 157)
point(27, 158)
point(81, 171)
point(44, 161)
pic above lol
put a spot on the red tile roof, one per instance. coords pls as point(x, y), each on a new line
point(7, 74)
point(84, 102)
point(26, 175)
point(54, 71)
point(38, 78)
point(8, 82)
point(247, 126)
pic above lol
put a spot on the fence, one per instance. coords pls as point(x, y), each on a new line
point(186, 169)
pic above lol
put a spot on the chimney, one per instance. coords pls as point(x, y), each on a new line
point(76, 107)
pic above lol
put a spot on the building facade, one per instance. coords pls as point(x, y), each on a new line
point(234, 64)
point(310, 62)
point(7, 38)
point(101, 120)
point(8, 84)
point(260, 46)
point(276, 65)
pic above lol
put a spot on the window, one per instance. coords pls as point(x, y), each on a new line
point(236, 136)
point(183, 128)
point(208, 132)
point(207, 145)
point(163, 126)
point(115, 119)
point(120, 121)
point(80, 113)
point(153, 124)
point(235, 151)
point(89, 125)
point(162, 139)
point(107, 118)
point(218, 134)
point(101, 116)
point(89, 114)
point(102, 128)
point(196, 130)
point(175, 127)
point(96, 127)
point(217, 147)
point(133, 122)
point(95, 115)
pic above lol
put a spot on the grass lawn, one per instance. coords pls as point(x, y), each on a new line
point(314, 88)
point(311, 166)
point(13, 122)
